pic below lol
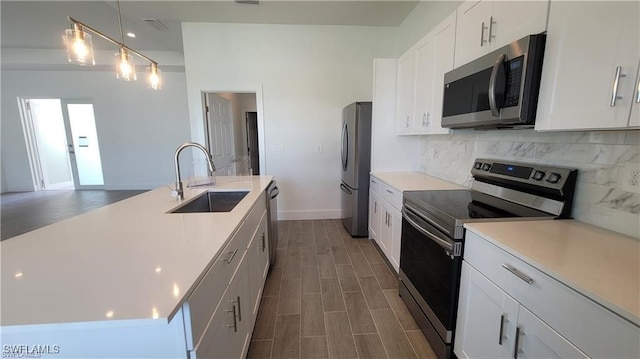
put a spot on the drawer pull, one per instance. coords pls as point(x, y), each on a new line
point(263, 242)
point(518, 273)
point(501, 335)
point(233, 254)
point(389, 191)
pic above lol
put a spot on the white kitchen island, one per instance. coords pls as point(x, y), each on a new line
point(116, 282)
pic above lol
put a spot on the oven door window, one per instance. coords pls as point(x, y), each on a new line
point(431, 270)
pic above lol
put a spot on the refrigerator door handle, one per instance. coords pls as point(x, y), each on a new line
point(345, 188)
point(345, 146)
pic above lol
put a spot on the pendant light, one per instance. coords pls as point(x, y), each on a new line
point(80, 51)
point(79, 46)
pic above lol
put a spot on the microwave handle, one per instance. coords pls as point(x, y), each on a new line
point(497, 82)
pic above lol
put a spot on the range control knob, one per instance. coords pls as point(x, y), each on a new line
point(477, 165)
point(486, 167)
point(554, 178)
point(538, 175)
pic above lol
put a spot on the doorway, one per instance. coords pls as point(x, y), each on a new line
point(232, 132)
point(252, 141)
point(62, 144)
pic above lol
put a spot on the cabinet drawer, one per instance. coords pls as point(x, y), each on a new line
point(594, 329)
point(374, 185)
point(391, 195)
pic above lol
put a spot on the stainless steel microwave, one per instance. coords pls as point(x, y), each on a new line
point(498, 90)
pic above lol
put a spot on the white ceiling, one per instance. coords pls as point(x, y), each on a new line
point(40, 24)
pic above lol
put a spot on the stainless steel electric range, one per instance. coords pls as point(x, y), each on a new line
point(433, 233)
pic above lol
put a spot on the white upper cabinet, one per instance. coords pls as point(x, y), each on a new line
point(421, 78)
point(404, 114)
point(485, 25)
point(590, 74)
point(424, 77)
point(444, 43)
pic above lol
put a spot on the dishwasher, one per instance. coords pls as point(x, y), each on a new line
point(272, 214)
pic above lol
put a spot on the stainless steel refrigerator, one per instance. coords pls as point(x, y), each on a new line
point(356, 163)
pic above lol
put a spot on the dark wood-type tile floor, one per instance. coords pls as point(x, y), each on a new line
point(332, 296)
point(21, 212)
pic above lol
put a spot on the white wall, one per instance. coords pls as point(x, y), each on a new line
point(307, 74)
point(138, 128)
point(424, 17)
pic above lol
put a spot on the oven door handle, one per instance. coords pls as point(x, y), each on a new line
point(441, 242)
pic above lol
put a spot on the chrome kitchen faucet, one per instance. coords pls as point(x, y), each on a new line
point(179, 193)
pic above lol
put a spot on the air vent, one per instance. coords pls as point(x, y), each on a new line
point(156, 24)
point(248, 2)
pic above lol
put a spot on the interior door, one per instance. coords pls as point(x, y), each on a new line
point(46, 126)
point(252, 141)
point(220, 133)
point(83, 146)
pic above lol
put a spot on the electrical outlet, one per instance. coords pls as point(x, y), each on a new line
point(631, 178)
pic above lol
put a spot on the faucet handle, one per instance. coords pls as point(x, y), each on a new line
point(174, 193)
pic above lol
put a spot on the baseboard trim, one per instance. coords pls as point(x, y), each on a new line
point(303, 215)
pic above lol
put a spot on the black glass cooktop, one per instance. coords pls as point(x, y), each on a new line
point(460, 205)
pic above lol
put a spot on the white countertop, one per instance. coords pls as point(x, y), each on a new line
point(128, 260)
point(600, 264)
point(414, 181)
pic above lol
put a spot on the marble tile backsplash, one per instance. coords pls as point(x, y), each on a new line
point(600, 158)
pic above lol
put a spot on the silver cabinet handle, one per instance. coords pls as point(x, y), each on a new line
point(373, 181)
point(501, 335)
point(264, 240)
point(518, 273)
point(482, 40)
point(375, 207)
point(426, 119)
point(638, 92)
point(491, 22)
point(516, 350)
point(239, 309)
point(235, 322)
point(233, 254)
point(616, 81)
point(389, 191)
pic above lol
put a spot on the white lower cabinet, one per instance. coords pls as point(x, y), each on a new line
point(491, 324)
point(374, 208)
point(385, 219)
point(392, 230)
point(509, 308)
point(258, 253)
point(220, 314)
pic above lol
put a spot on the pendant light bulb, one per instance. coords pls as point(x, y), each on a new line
point(154, 80)
point(126, 69)
point(79, 46)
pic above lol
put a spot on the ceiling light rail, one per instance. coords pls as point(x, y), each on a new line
point(80, 51)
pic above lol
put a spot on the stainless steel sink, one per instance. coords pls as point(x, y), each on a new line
point(212, 202)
